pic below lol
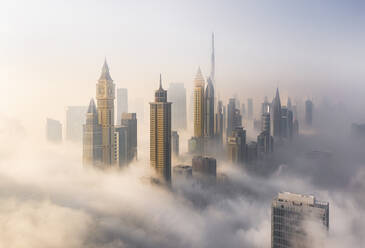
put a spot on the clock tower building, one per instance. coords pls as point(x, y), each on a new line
point(105, 95)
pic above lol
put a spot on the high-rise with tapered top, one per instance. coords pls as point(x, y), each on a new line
point(275, 112)
point(160, 134)
point(92, 138)
point(212, 70)
point(105, 95)
point(199, 84)
point(209, 109)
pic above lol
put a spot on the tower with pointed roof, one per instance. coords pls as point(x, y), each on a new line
point(105, 95)
point(275, 112)
point(199, 84)
point(92, 137)
point(160, 134)
point(209, 109)
point(212, 72)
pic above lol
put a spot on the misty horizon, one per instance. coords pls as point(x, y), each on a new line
point(52, 60)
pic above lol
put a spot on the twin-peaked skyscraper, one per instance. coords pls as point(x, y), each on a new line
point(282, 119)
point(203, 110)
point(205, 128)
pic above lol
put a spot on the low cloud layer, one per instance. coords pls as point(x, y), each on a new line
point(48, 200)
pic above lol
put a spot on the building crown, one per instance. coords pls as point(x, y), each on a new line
point(199, 80)
point(105, 75)
point(160, 94)
point(92, 108)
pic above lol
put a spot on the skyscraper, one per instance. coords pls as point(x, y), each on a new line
point(175, 143)
point(265, 108)
point(308, 112)
point(92, 137)
point(122, 103)
point(250, 108)
point(265, 122)
point(234, 118)
point(209, 109)
point(121, 145)
point(105, 95)
point(199, 105)
point(160, 134)
point(275, 112)
point(289, 212)
point(219, 123)
point(177, 96)
point(284, 123)
point(53, 130)
point(129, 120)
point(212, 71)
point(265, 142)
point(237, 146)
point(75, 119)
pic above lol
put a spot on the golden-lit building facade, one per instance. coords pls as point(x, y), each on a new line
point(199, 84)
point(105, 95)
point(160, 134)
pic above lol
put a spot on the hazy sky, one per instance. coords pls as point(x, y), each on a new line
point(51, 54)
point(52, 51)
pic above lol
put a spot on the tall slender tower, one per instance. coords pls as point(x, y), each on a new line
point(209, 109)
point(105, 95)
point(92, 135)
point(199, 105)
point(234, 118)
point(160, 134)
point(212, 72)
point(275, 112)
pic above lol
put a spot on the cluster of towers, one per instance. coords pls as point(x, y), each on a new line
point(208, 122)
point(104, 143)
point(284, 126)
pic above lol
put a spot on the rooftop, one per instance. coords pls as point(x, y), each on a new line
point(299, 199)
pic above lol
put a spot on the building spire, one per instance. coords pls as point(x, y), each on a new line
point(105, 66)
point(92, 108)
point(160, 94)
point(277, 93)
point(212, 72)
point(199, 79)
point(105, 75)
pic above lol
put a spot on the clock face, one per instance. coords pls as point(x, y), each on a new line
point(111, 92)
point(101, 90)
